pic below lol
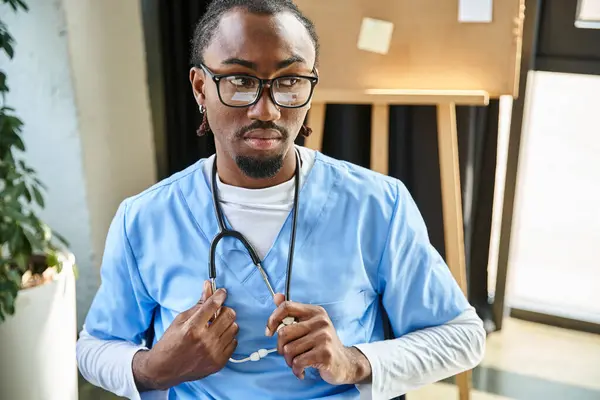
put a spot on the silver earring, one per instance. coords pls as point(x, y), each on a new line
point(201, 108)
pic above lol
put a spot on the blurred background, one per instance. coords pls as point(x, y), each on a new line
point(103, 93)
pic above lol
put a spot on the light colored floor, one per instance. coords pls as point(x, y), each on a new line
point(448, 391)
point(546, 352)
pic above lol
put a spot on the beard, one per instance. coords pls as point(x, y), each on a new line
point(260, 168)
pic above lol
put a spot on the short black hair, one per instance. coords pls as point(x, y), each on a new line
point(208, 24)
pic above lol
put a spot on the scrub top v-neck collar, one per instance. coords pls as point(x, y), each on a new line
point(232, 257)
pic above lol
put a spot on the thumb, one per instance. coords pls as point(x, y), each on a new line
point(278, 299)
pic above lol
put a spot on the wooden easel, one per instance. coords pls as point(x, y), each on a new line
point(445, 101)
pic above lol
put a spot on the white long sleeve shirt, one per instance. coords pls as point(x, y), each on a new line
point(398, 365)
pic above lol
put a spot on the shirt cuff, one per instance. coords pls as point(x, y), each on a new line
point(132, 392)
point(368, 390)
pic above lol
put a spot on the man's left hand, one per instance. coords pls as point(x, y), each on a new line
point(313, 342)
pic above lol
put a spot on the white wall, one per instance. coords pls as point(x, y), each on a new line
point(78, 82)
point(109, 74)
point(555, 245)
point(43, 95)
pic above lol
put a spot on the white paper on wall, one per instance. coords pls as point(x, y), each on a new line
point(375, 35)
point(475, 10)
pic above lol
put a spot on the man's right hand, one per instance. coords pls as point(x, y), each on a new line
point(194, 346)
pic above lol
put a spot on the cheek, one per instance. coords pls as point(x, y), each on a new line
point(295, 119)
point(223, 120)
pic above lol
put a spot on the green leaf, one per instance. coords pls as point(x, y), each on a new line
point(34, 242)
point(22, 261)
point(14, 277)
point(27, 194)
point(8, 134)
point(15, 4)
point(38, 196)
point(16, 122)
point(22, 4)
point(12, 175)
point(17, 216)
point(40, 183)
point(9, 290)
point(25, 168)
point(3, 85)
point(19, 143)
point(61, 238)
point(21, 189)
point(10, 127)
point(10, 52)
point(52, 260)
point(38, 226)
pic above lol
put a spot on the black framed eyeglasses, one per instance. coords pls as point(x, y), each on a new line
point(244, 90)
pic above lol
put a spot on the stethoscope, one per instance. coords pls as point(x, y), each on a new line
point(225, 232)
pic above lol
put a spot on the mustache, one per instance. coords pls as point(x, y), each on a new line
point(262, 125)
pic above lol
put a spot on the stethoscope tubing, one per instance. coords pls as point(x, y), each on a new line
point(225, 232)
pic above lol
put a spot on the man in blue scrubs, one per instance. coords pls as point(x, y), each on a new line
point(360, 247)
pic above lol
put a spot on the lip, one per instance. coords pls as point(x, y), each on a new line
point(263, 134)
point(262, 144)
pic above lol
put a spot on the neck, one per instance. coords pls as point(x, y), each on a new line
point(230, 174)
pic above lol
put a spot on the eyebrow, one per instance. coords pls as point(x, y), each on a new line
point(252, 65)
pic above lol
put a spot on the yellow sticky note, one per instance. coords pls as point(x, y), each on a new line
point(375, 35)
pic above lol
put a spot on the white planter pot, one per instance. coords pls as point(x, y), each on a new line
point(37, 344)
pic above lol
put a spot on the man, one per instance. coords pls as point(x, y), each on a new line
point(271, 320)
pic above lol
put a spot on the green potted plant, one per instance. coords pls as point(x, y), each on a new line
point(37, 299)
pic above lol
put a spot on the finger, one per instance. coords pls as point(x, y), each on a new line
point(187, 314)
point(230, 348)
point(294, 348)
point(206, 292)
point(299, 346)
point(223, 321)
point(292, 333)
point(209, 308)
point(288, 309)
point(307, 360)
point(278, 299)
point(230, 333)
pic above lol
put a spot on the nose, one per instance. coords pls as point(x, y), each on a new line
point(264, 109)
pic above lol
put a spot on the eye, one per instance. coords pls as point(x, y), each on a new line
point(243, 81)
point(288, 82)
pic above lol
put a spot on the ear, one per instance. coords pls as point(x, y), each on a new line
point(198, 82)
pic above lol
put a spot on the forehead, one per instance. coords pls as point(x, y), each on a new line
point(265, 40)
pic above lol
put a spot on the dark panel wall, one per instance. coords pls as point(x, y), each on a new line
point(562, 47)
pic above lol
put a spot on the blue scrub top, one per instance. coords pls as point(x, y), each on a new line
point(360, 243)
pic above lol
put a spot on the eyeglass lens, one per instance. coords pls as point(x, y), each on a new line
point(243, 90)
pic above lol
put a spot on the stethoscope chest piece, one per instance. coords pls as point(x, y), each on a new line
point(287, 321)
